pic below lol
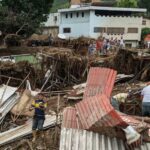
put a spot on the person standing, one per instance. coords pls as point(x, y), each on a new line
point(122, 44)
point(39, 105)
point(146, 100)
point(99, 46)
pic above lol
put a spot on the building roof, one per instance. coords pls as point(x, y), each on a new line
point(137, 10)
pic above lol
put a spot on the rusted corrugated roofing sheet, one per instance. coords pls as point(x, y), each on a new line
point(70, 119)
point(97, 112)
point(75, 139)
point(100, 80)
point(130, 120)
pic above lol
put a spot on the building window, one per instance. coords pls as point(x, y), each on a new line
point(115, 30)
point(77, 14)
point(55, 18)
point(99, 29)
point(82, 14)
point(144, 22)
point(71, 15)
point(66, 15)
point(66, 30)
point(132, 30)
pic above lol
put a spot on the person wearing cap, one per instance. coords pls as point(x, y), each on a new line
point(39, 105)
point(146, 100)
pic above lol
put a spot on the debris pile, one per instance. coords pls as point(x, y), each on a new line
point(95, 113)
point(65, 68)
point(131, 62)
point(96, 108)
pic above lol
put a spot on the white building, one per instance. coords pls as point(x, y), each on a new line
point(146, 23)
point(52, 25)
point(109, 22)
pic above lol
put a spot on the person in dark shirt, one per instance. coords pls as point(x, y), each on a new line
point(39, 106)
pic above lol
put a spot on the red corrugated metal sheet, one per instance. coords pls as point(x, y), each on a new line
point(70, 119)
point(100, 80)
point(97, 112)
point(129, 119)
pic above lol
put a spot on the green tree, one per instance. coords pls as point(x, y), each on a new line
point(145, 4)
point(145, 31)
point(127, 3)
point(23, 16)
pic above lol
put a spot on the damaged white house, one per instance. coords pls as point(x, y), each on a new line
point(109, 22)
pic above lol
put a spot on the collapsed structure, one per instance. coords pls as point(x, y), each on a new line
point(95, 113)
point(94, 117)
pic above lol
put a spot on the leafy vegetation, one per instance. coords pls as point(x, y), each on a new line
point(145, 4)
point(127, 3)
point(145, 31)
point(60, 4)
point(23, 16)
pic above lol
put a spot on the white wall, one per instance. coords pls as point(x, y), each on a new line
point(52, 22)
point(147, 23)
point(51, 30)
point(84, 26)
point(111, 21)
point(79, 25)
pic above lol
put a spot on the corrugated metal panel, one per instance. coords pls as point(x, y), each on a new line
point(100, 80)
point(74, 139)
point(97, 112)
point(130, 120)
point(70, 119)
point(8, 91)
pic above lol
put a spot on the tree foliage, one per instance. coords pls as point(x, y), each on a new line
point(145, 31)
point(23, 16)
point(145, 4)
point(127, 3)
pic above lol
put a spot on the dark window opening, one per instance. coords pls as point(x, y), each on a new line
point(132, 30)
point(66, 30)
point(115, 30)
point(99, 29)
point(77, 14)
point(82, 14)
point(71, 15)
point(144, 22)
point(55, 18)
point(113, 13)
point(66, 15)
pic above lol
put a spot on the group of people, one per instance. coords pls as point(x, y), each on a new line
point(103, 46)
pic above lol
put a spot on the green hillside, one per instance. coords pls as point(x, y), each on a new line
point(58, 4)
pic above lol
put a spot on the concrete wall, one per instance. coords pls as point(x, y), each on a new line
point(84, 26)
point(115, 21)
point(79, 25)
point(51, 30)
point(53, 20)
point(75, 2)
point(147, 25)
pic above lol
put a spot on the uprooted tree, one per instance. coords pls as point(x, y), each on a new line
point(22, 17)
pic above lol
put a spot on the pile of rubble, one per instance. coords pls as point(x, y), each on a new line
point(98, 107)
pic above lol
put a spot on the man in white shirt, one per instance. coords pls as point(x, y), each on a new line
point(146, 100)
